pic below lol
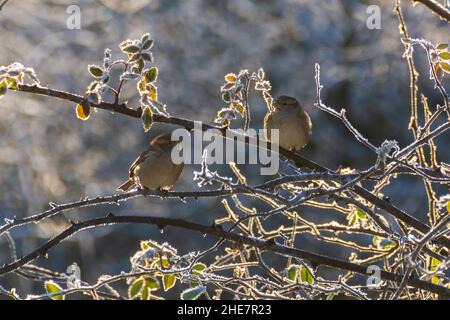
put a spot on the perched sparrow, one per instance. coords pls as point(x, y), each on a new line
point(293, 122)
point(154, 168)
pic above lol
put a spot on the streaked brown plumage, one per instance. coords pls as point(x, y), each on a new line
point(154, 168)
point(293, 122)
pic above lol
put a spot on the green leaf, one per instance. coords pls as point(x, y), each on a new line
point(306, 276)
point(145, 37)
point(147, 57)
point(193, 293)
point(145, 294)
point(52, 288)
point(435, 280)
point(293, 272)
point(151, 74)
point(132, 58)
point(93, 86)
point(361, 214)
point(136, 287)
point(12, 83)
point(147, 45)
point(147, 118)
point(130, 49)
point(96, 71)
point(152, 283)
point(199, 267)
point(140, 65)
point(3, 87)
point(169, 281)
point(226, 97)
point(444, 55)
point(442, 46)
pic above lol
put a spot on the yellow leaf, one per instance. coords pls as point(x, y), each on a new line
point(165, 262)
point(445, 66)
point(239, 107)
point(144, 245)
point(168, 281)
point(83, 109)
point(152, 92)
point(434, 264)
point(153, 95)
point(52, 288)
point(444, 55)
point(231, 77)
point(82, 112)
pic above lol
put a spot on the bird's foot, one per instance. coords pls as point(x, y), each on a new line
point(163, 192)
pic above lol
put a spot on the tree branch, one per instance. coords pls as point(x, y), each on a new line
point(297, 159)
point(116, 198)
point(436, 7)
point(269, 245)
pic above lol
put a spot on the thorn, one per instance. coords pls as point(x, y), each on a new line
point(110, 215)
point(161, 226)
point(53, 205)
point(270, 242)
point(314, 266)
point(163, 193)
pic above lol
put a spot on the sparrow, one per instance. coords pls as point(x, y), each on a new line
point(154, 168)
point(293, 122)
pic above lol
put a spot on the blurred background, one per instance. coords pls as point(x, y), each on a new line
point(47, 155)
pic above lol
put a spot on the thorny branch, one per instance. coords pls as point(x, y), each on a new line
point(219, 232)
point(405, 252)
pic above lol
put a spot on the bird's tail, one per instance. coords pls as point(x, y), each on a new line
point(127, 185)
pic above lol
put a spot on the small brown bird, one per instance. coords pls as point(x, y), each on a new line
point(293, 122)
point(154, 168)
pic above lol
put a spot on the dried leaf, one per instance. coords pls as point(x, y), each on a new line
point(83, 109)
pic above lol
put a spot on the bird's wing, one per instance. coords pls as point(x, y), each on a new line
point(138, 161)
point(308, 122)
